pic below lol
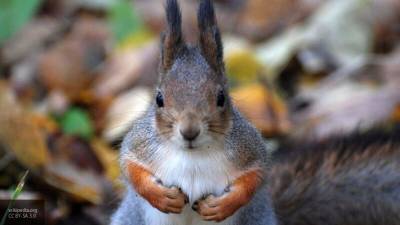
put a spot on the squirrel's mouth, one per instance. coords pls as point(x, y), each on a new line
point(190, 145)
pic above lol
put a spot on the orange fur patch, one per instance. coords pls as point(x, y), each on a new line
point(242, 191)
point(168, 200)
point(142, 181)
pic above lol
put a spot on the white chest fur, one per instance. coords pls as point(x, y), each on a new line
point(198, 173)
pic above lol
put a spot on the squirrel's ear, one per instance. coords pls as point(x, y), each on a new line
point(171, 39)
point(210, 37)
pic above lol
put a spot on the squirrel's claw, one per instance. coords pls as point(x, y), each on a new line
point(217, 208)
point(167, 200)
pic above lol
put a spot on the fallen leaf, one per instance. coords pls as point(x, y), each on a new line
point(125, 68)
point(125, 109)
point(19, 132)
point(263, 108)
point(72, 64)
point(259, 19)
point(81, 185)
point(242, 66)
point(109, 159)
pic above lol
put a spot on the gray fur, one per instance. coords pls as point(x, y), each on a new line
point(130, 211)
point(258, 212)
point(245, 143)
point(350, 181)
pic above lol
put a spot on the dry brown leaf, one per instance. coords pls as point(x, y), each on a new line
point(109, 159)
point(81, 185)
point(72, 64)
point(396, 114)
point(125, 68)
point(259, 18)
point(77, 169)
point(263, 108)
point(32, 37)
point(125, 109)
point(353, 98)
point(24, 134)
point(20, 133)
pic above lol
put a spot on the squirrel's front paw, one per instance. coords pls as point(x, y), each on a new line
point(217, 208)
point(165, 199)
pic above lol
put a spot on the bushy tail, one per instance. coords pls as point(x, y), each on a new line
point(344, 181)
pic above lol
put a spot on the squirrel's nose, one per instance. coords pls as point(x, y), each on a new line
point(190, 134)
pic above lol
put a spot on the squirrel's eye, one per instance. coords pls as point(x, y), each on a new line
point(220, 99)
point(159, 100)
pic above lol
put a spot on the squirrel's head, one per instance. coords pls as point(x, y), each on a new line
point(193, 107)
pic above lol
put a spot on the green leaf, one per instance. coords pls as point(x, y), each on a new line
point(76, 121)
point(123, 20)
point(14, 14)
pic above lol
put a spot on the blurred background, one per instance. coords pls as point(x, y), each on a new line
point(74, 74)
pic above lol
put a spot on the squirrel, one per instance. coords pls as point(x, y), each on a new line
point(192, 159)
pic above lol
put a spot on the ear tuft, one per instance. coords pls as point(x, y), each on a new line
point(206, 15)
point(210, 37)
point(171, 39)
point(174, 17)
